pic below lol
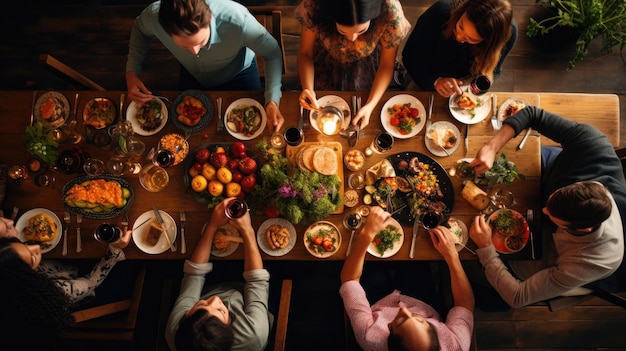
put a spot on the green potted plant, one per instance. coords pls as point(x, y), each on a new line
point(590, 18)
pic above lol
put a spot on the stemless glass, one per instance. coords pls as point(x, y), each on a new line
point(353, 220)
point(236, 209)
point(294, 136)
point(153, 178)
point(107, 233)
point(382, 143)
point(93, 166)
point(431, 220)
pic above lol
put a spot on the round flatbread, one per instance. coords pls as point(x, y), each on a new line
point(325, 161)
point(308, 155)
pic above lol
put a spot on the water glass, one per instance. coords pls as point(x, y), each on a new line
point(45, 179)
point(294, 136)
point(107, 233)
point(277, 141)
point(236, 209)
point(153, 178)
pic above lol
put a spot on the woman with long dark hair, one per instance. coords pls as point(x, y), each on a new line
point(450, 44)
point(349, 45)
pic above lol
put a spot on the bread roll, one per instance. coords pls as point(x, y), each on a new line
point(475, 195)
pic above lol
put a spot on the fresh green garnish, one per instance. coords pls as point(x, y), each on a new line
point(505, 222)
point(503, 171)
point(385, 239)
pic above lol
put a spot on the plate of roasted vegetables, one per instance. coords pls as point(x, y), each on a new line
point(245, 119)
point(97, 197)
point(99, 113)
point(420, 185)
point(40, 225)
point(149, 118)
point(192, 110)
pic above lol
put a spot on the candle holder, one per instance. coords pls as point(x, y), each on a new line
point(329, 120)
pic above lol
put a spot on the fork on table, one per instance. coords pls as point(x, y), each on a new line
point(183, 244)
point(67, 219)
point(79, 244)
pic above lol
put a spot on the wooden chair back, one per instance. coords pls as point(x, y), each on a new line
point(68, 74)
point(272, 20)
point(111, 321)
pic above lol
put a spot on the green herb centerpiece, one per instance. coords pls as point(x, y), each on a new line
point(299, 196)
point(503, 171)
point(41, 144)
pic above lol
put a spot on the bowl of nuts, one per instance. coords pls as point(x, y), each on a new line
point(354, 160)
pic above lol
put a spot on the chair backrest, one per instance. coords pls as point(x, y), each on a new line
point(67, 73)
point(272, 20)
point(111, 321)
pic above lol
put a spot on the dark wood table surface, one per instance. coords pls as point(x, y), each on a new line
point(15, 115)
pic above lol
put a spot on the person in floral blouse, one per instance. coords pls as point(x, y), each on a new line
point(349, 45)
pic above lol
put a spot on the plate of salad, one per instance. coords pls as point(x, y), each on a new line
point(388, 241)
point(403, 116)
point(322, 239)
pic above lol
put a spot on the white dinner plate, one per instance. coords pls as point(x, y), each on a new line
point(332, 100)
point(402, 99)
point(61, 109)
point(232, 246)
point(435, 149)
point(480, 112)
point(260, 236)
point(396, 245)
point(247, 102)
point(131, 116)
point(313, 229)
point(22, 223)
point(140, 233)
point(506, 104)
point(459, 229)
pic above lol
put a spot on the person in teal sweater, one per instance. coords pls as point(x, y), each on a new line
point(215, 42)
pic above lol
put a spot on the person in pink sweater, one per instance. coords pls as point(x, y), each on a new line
point(401, 322)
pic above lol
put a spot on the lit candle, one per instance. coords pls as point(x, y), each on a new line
point(329, 127)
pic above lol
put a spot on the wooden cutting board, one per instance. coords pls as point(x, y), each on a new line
point(292, 151)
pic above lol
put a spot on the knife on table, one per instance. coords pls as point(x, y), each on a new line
point(466, 139)
point(431, 100)
point(157, 214)
point(416, 227)
point(220, 121)
point(494, 117)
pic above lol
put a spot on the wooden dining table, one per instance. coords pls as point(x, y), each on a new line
point(15, 115)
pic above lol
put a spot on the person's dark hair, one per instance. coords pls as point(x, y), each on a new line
point(33, 305)
point(394, 341)
point(492, 19)
point(203, 332)
point(581, 205)
point(184, 17)
point(346, 12)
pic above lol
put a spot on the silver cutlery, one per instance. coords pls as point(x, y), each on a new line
point(467, 248)
point(442, 147)
point(220, 121)
point(122, 115)
point(32, 111)
point(416, 227)
point(159, 218)
point(67, 219)
point(431, 100)
point(162, 98)
point(301, 120)
point(466, 139)
point(183, 244)
point(76, 97)
point(494, 117)
point(529, 219)
point(398, 210)
point(521, 143)
point(79, 243)
point(350, 242)
point(14, 213)
point(142, 223)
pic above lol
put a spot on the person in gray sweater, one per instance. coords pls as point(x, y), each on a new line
point(584, 193)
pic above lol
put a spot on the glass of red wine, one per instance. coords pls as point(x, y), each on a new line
point(430, 220)
point(236, 209)
point(480, 85)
